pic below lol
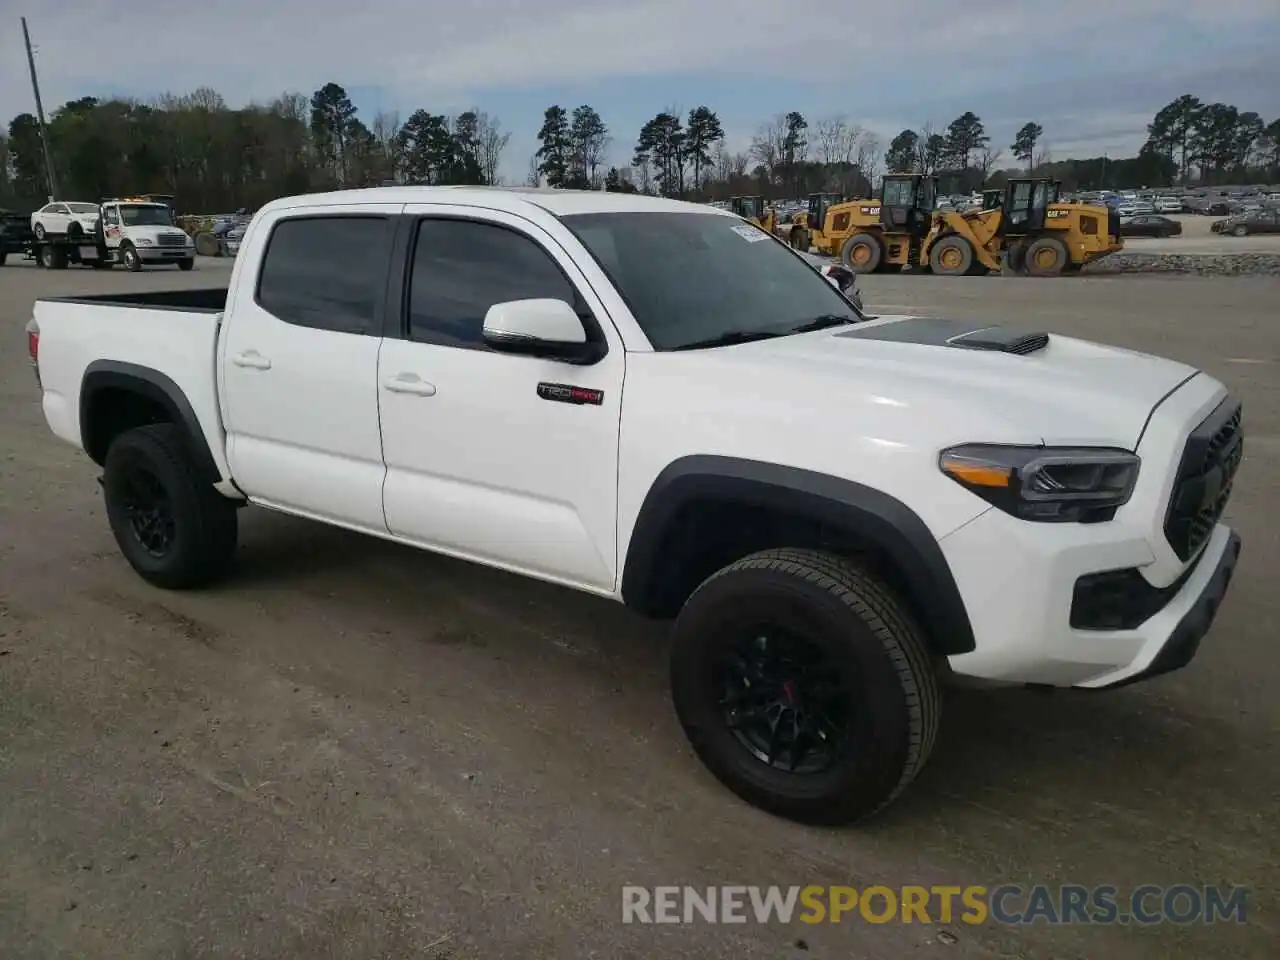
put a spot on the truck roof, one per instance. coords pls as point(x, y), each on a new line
point(511, 199)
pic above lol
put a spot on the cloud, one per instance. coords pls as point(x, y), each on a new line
point(1094, 64)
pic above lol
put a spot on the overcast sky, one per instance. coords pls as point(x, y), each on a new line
point(1091, 72)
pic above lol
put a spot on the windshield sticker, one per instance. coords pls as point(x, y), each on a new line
point(749, 233)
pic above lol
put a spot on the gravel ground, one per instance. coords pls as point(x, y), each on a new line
point(357, 750)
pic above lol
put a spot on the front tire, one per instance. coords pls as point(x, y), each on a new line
point(130, 258)
point(175, 530)
point(804, 685)
point(185, 265)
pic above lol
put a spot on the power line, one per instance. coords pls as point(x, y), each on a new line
point(44, 130)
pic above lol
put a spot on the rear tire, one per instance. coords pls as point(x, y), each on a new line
point(859, 637)
point(1047, 257)
point(40, 232)
point(1240, 230)
point(862, 253)
point(175, 530)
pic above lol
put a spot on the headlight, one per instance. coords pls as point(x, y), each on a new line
point(143, 242)
point(1046, 484)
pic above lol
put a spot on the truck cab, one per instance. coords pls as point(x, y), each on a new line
point(139, 232)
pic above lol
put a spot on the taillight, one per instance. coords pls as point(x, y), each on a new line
point(33, 348)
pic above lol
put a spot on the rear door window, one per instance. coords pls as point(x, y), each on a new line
point(327, 272)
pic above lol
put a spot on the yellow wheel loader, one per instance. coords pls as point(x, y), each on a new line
point(807, 227)
point(1022, 229)
point(881, 233)
point(754, 209)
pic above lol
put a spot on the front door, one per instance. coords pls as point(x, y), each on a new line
point(299, 362)
point(484, 459)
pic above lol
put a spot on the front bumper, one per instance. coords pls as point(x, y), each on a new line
point(165, 254)
point(1020, 591)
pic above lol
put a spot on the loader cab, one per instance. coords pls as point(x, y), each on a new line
point(819, 204)
point(1026, 204)
point(907, 202)
point(992, 199)
point(749, 208)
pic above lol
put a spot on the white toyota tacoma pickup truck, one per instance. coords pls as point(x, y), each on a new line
point(658, 403)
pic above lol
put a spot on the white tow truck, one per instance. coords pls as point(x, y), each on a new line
point(133, 232)
point(660, 404)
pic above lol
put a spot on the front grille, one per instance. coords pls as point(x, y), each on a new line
point(171, 240)
point(1205, 475)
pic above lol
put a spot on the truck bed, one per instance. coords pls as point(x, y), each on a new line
point(205, 300)
point(169, 338)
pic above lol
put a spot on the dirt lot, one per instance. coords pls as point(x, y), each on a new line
point(358, 750)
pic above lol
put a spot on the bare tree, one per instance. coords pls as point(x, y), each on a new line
point(491, 141)
point(868, 156)
point(385, 128)
point(534, 177)
point(830, 135)
point(850, 138)
point(721, 161)
point(1043, 155)
point(987, 159)
point(769, 144)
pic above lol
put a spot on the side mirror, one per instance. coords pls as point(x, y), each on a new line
point(839, 277)
point(540, 328)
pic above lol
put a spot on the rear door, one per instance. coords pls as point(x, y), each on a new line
point(299, 362)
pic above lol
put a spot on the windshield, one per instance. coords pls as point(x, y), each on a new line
point(690, 278)
point(145, 216)
point(82, 207)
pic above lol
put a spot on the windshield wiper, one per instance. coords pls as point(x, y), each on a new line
point(822, 322)
point(730, 338)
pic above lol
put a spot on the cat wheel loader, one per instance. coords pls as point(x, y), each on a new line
point(807, 227)
point(1022, 228)
point(879, 233)
point(754, 209)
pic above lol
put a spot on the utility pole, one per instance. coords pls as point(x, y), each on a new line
point(44, 130)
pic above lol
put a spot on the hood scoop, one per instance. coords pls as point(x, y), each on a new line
point(961, 334)
point(1002, 340)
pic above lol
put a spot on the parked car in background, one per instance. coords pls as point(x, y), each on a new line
point(15, 234)
point(1150, 225)
point(1168, 205)
point(64, 220)
point(1139, 208)
point(1244, 224)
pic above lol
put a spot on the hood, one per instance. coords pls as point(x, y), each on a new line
point(961, 381)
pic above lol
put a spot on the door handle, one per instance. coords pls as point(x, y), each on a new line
point(252, 359)
point(409, 383)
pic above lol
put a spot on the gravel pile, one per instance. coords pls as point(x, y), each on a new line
point(1203, 265)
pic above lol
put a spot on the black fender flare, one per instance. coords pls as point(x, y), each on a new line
point(874, 516)
point(155, 386)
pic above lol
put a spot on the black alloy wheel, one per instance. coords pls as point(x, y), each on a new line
point(149, 510)
point(784, 699)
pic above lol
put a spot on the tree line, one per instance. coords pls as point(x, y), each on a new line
point(213, 157)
